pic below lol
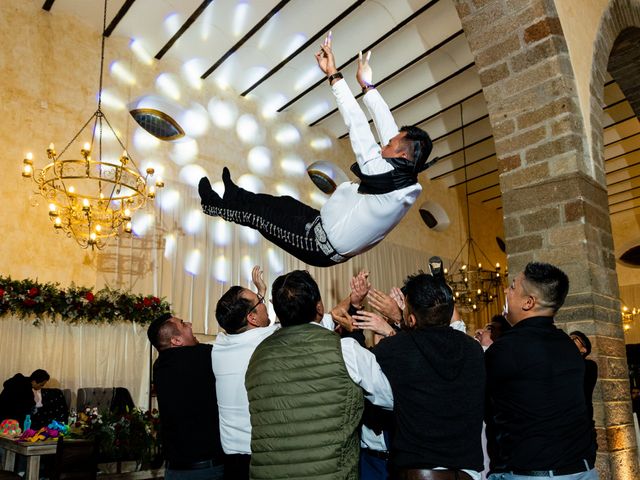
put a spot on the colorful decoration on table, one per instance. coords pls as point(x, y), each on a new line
point(10, 428)
point(61, 428)
point(45, 433)
point(29, 299)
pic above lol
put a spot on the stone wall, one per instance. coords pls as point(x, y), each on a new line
point(554, 194)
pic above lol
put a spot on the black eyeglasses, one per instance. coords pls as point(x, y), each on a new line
point(260, 300)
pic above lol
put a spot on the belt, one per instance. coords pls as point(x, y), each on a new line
point(583, 466)
point(323, 243)
point(376, 453)
point(427, 474)
point(201, 465)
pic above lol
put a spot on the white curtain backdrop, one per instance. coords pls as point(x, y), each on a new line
point(82, 355)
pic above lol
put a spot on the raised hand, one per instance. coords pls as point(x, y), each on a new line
point(325, 58)
point(360, 286)
point(398, 296)
point(370, 321)
point(258, 281)
point(384, 304)
point(341, 317)
point(364, 75)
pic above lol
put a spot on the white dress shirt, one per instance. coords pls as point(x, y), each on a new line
point(355, 222)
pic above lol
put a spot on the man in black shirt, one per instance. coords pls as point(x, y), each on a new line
point(437, 378)
point(185, 384)
point(534, 383)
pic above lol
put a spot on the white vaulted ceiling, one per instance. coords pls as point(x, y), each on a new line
point(422, 66)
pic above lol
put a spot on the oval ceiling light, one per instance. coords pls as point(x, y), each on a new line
point(326, 176)
point(434, 216)
point(158, 116)
point(631, 257)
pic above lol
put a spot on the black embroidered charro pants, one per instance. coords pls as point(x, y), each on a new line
point(288, 223)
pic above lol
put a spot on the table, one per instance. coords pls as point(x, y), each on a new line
point(32, 451)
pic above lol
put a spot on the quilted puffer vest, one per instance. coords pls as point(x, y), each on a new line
point(305, 409)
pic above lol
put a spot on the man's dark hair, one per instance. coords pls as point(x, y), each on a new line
point(295, 296)
point(551, 283)
point(160, 331)
point(429, 299)
point(232, 310)
point(586, 343)
point(39, 376)
point(420, 145)
point(502, 322)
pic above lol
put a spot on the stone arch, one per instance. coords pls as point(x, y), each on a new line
point(554, 193)
point(620, 16)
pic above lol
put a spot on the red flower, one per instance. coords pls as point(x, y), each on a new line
point(147, 302)
point(156, 300)
point(29, 302)
point(89, 296)
point(2, 292)
point(33, 292)
point(138, 306)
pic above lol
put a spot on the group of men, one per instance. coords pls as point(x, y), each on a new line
point(285, 400)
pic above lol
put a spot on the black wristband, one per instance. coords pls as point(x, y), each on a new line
point(333, 76)
point(353, 310)
point(368, 87)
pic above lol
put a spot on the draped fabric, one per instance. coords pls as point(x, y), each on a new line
point(83, 355)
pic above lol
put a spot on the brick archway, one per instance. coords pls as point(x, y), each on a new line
point(554, 191)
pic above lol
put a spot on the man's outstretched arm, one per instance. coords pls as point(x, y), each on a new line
point(362, 140)
point(378, 108)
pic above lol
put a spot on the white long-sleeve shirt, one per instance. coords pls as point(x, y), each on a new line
point(230, 358)
point(356, 222)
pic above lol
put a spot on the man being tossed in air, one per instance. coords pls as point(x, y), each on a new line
point(358, 215)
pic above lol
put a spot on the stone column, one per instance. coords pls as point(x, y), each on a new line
point(554, 201)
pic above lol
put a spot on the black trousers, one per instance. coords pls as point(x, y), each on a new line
point(236, 466)
point(284, 221)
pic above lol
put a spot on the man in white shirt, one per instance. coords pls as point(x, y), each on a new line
point(358, 215)
point(244, 317)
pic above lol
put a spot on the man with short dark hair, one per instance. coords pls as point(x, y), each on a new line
point(438, 379)
point(245, 319)
point(357, 216)
point(185, 386)
point(305, 388)
point(535, 386)
point(22, 396)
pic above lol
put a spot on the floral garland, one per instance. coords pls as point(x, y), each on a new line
point(31, 299)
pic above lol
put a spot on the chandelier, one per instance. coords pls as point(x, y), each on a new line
point(474, 286)
point(92, 199)
point(629, 316)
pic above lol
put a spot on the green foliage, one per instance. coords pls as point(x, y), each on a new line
point(133, 435)
point(31, 299)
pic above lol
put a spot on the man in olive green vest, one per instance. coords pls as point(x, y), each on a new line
point(305, 388)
